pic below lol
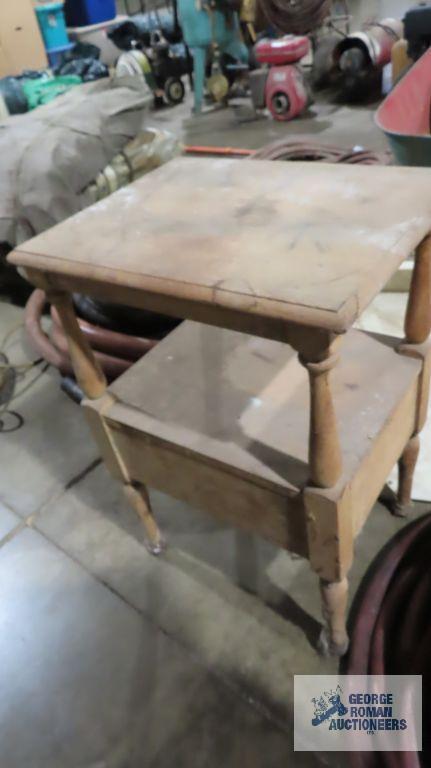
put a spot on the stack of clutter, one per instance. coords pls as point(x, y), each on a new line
point(52, 23)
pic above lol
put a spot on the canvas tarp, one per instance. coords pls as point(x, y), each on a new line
point(49, 156)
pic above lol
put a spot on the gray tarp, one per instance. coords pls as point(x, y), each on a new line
point(50, 155)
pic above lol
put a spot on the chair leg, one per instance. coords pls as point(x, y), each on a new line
point(138, 497)
point(334, 640)
point(406, 468)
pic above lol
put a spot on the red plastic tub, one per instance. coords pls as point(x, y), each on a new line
point(404, 115)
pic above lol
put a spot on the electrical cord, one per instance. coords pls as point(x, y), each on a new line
point(10, 420)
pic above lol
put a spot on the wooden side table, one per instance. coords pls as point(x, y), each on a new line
point(267, 410)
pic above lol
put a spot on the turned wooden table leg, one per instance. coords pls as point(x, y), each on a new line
point(92, 381)
point(136, 493)
point(88, 373)
point(418, 315)
point(138, 497)
point(406, 469)
point(324, 453)
point(417, 328)
point(325, 462)
point(334, 641)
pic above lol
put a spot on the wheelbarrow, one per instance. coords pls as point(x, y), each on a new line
point(404, 116)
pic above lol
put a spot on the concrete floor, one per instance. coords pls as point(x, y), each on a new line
point(340, 126)
point(110, 658)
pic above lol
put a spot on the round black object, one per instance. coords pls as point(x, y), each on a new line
point(174, 90)
point(280, 103)
point(13, 94)
point(116, 317)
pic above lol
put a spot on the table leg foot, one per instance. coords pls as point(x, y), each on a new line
point(406, 467)
point(138, 497)
point(402, 510)
point(334, 640)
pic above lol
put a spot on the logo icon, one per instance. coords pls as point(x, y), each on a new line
point(328, 705)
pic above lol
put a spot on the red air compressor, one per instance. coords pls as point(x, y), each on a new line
point(280, 85)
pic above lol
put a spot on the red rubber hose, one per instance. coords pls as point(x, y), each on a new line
point(390, 630)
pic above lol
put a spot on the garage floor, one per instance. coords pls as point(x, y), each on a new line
point(110, 658)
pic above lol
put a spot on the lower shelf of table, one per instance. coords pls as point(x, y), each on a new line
point(220, 419)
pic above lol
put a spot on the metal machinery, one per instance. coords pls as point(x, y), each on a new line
point(361, 56)
point(211, 27)
point(153, 48)
point(279, 85)
point(417, 30)
point(417, 40)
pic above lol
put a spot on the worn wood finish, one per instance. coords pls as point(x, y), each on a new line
point(416, 345)
point(300, 337)
point(211, 488)
point(418, 315)
point(87, 370)
point(116, 462)
point(406, 468)
point(137, 496)
point(336, 516)
point(422, 353)
point(243, 403)
point(302, 242)
point(292, 253)
point(334, 639)
point(220, 420)
point(324, 452)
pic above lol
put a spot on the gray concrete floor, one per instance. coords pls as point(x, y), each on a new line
point(110, 658)
point(325, 122)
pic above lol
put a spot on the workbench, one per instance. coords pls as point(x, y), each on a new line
point(266, 408)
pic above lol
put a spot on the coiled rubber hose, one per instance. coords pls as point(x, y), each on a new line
point(114, 351)
point(289, 149)
point(390, 630)
point(298, 17)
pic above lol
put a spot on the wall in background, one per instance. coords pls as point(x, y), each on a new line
point(361, 10)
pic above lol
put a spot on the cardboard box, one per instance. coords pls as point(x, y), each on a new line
point(21, 44)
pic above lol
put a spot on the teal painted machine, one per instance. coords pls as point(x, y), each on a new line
point(205, 26)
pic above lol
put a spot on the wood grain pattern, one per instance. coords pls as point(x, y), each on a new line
point(88, 373)
point(138, 497)
point(299, 242)
point(422, 353)
point(136, 494)
point(213, 489)
point(418, 315)
point(244, 403)
point(406, 469)
point(324, 451)
point(292, 253)
point(334, 606)
point(336, 516)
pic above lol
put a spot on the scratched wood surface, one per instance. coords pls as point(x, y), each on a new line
point(243, 402)
point(304, 242)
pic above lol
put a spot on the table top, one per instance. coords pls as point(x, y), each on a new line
point(306, 243)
